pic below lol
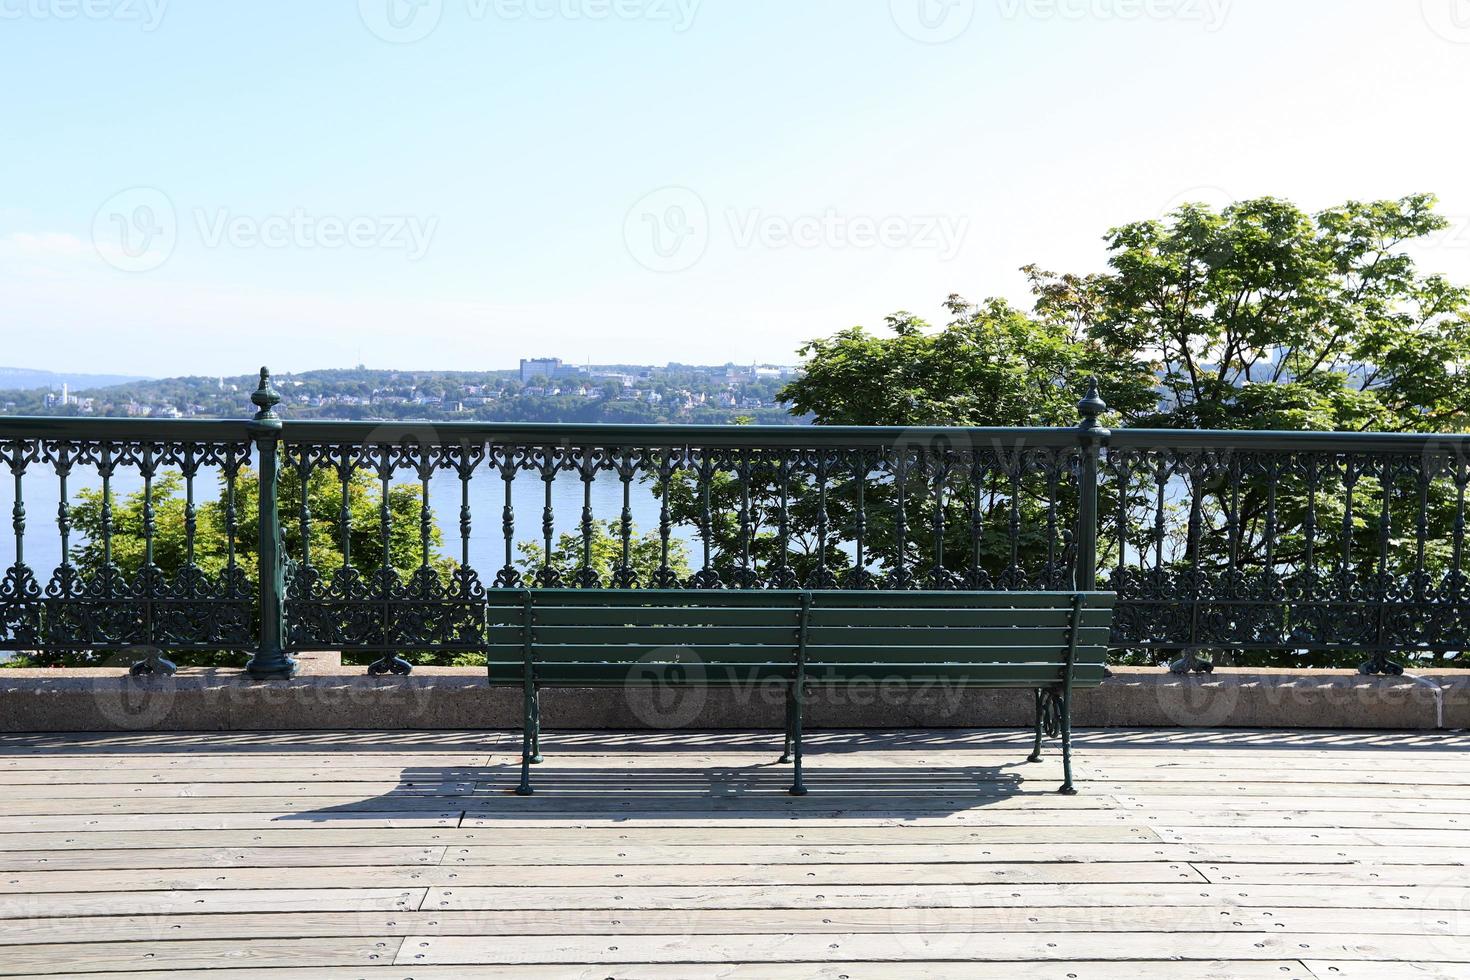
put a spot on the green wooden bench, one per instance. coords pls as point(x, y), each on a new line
point(1048, 643)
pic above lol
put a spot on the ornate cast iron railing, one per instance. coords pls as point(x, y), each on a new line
point(1312, 543)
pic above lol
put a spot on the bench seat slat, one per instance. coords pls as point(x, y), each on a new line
point(764, 636)
point(597, 652)
point(786, 618)
point(820, 637)
point(664, 616)
point(727, 675)
point(947, 617)
point(786, 636)
point(622, 598)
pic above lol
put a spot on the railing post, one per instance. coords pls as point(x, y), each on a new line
point(270, 660)
point(1091, 434)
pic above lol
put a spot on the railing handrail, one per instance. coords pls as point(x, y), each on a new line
point(540, 433)
point(1258, 439)
point(716, 436)
point(76, 428)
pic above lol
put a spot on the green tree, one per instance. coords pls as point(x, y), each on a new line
point(644, 554)
point(992, 364)
point(211, 539)
point(1264, 316)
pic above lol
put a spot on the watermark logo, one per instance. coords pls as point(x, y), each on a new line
point(1216, 198)
point(1455, 234)
point(668, 230)
point(1197, 702)
point(933, 21)
point(147, 14)
point(136, 230)
point(133, 703)
point(1444, 917)
point(1450, 19)
point(401, 21)
point(665, 690)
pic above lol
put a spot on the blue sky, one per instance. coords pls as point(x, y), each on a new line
point(197, 187)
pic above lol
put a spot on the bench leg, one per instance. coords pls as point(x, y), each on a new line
point(536, 759)
point(790, 716)
point(797, 787)
point(528, 738)
point(1067, 788)
point(1040, 709)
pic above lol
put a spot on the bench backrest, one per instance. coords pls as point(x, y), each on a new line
point(987, 639)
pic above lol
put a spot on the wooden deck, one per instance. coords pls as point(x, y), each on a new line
point(919, 855)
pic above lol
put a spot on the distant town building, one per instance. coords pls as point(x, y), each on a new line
point(540, 367)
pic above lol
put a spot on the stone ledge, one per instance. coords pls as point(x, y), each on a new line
point(327, 696)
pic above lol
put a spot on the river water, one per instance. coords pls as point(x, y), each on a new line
point(487, 496)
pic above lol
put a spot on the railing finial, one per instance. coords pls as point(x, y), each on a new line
point(1092, 406)
point(265, 398)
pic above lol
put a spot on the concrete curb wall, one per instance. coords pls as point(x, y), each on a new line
point(329, 697)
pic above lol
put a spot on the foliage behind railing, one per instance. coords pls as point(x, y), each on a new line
point(1316, 545)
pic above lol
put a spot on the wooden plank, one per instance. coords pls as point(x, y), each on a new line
point(58, 828)
point(171, 903)
point(409, 876)
point(1027, 896)
point(1460, 794)
point(1318, 836)
point(1003, 819)
point(447, 950)
point(219, 857)
point(198, 790)
point(303, 809)
point(1404, 875)
point(910, 970)
point(1133, 802)
point(631, 922)
point(1379, 970)
point(100, 762)
point(906, 854)
point(415, 775)
point(1088, 768)
point(70, 959)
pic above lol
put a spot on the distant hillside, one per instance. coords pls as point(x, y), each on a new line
point(617, 394)
point(25, 379)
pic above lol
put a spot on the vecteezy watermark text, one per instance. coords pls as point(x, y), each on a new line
point(831, 229)
point(670, 229)
point(147, 14)
point(407, 21)
point(1210, 13)
point(138, 230)
point(299, 228)
point(939, 21)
